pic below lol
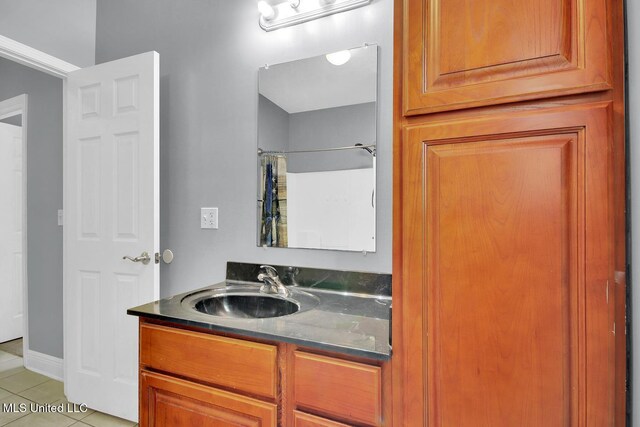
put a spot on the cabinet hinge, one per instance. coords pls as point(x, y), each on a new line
point(607, 292)
point(614, 328)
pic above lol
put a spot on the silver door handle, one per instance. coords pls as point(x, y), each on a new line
point(143, 258)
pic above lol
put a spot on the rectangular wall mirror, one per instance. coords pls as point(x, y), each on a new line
point(317, 152)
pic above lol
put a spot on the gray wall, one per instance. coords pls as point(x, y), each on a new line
point(332, 127)
point(633, 46)
point(44, 198)
point(273, 125)
point(317, 129)
point(62, 28)
point(210, 52)
point(13, 120)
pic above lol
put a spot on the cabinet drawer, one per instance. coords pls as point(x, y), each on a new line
point(237, 364)
point(172, 402)
point(347, 390)
point(300, 419)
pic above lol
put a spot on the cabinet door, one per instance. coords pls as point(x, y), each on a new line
point(467, 53)
point(171, 402)
point(506, 264)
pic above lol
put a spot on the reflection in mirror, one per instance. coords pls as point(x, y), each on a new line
point(316, 152)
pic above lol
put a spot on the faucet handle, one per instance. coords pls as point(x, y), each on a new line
point(271, 271)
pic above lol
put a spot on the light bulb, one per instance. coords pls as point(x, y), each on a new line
point(266, 10)
point(339, 58)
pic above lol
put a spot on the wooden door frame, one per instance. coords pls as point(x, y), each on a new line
point(33, 58)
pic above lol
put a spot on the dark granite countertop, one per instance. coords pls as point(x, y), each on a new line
point(351, 323)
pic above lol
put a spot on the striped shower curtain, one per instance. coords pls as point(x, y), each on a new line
point(273, 231)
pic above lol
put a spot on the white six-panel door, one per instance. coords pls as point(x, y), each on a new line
point(111, 210)
point(11, 217)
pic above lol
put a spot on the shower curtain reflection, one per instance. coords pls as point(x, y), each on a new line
point(273, 231)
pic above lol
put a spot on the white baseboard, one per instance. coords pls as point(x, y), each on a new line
point(52, 367)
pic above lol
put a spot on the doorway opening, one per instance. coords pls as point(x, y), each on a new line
point(13, 234)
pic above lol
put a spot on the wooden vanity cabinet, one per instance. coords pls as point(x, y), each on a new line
point(190, 377)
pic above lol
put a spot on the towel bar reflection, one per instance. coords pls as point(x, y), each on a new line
point(370, 148)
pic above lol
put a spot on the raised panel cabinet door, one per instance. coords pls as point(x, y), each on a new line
point(467, 53)
point(507, 246)
point(171, 402)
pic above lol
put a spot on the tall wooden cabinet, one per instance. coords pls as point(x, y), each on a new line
point(509, 253)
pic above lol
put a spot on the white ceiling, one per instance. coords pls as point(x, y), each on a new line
point(315, 83)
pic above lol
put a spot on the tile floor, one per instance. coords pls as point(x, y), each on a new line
point(21, 386)
point(12, 347)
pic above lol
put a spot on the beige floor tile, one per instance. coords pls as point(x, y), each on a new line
point(14, 369)
point(13, 347)
point(7, 417)
point(4, 393)
point(22, 381)
point(80, 424)
point(77, 415)
point(4, 356)
point(43, 419)
point(98, 419)
point(47, 392)
point(8, 367)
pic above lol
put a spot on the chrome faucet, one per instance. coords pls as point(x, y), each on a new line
point(272, 283)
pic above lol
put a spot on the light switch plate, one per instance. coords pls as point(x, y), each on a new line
point(209, 218)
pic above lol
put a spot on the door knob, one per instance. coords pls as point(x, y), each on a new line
point(143, 258)
point(166, 256)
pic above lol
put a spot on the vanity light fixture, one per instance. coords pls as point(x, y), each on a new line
point(339, 58)
point(292, 12)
